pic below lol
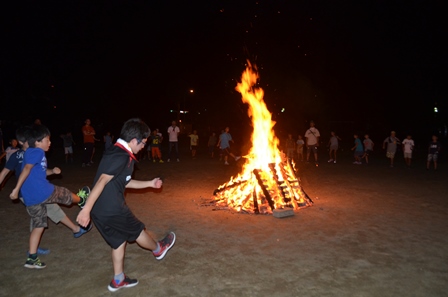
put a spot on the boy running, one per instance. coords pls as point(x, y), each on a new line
point(433, 152)
point(107, 207)
point(408, 146)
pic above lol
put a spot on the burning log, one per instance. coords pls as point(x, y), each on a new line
point(263, 188)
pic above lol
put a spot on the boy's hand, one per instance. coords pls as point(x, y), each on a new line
point(14, 194)
point(157, 183)
point(83, 218)
point(56, 170)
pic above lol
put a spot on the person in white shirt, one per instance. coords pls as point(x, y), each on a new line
point(312, 137)
point(408, 146)
point(173, 133)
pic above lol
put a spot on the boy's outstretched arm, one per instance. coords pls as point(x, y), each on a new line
point(139, 184)
point(83, 217)
point(23, 176)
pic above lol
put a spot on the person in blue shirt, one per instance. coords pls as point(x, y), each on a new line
point(38, 192)
point(359, 150)
point(224, 144)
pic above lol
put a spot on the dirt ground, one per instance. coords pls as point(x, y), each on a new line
point(373, 231)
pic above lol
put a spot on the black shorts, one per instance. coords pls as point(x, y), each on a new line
point(118, 228)
point(194, 147)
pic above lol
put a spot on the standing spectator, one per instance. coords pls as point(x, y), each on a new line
point(368, 147)
point(433, 152)
point(194, 140)
point(299, 145)
point(312, 137)
point(408, 146)
point(108, 140)
point(173, 133)
point(224, 144)
point(89, 141)
point(392, 142)
point(155, 141)
point(67, 138)
point(290, 145)
point(333, 143)
point(212, 140)
point(359, 150)
point(11, 149)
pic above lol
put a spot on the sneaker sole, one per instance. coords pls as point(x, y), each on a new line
point(112, 289)
point(164, 253)
point(34, 266)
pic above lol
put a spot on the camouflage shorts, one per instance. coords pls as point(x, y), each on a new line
point(38, 212)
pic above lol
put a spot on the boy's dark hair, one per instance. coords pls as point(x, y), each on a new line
point(134, 128)
point(38, 132)
point(23, 133)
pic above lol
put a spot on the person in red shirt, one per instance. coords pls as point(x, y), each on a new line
point(89, 140)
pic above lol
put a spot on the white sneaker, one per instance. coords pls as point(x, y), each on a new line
point(334, 161)
point(168, 160)
point(237, 158)
point(226, 163)
point(331, 160)
point(178, 160)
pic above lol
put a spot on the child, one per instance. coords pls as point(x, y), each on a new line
point(433, 152)
point(359, 151)
point(54, 212)
point(333, 143)
point(290, 147)
point(108, 139)
point(300, 143)
point(10, 149)
point(106, 204)
point(391, 141)
point(211, 144)
point(224, 144)
point(194, 139)
point(155, 141)
point(37, 191)
point(68, 148)
point(408, 146)
point(368, 147)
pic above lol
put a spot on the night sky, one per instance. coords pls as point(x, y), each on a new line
point(356, 66)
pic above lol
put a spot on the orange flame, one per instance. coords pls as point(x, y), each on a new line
point(268, 180)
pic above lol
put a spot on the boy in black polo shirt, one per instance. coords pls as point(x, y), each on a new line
point(107, 206)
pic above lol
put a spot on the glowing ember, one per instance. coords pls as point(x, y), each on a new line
point(268, 180)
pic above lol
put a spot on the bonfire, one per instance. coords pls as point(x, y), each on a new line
point(268, 180)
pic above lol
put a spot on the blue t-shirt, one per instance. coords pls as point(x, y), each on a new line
point(225, 138)
point(15, 162)
point(358, 144)
point(36, 188)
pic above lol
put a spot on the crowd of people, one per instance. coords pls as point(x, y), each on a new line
point(362, 149)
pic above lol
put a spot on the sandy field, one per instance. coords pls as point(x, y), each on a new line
point(373, 231)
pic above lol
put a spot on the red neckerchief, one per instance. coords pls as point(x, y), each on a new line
point(131, 155)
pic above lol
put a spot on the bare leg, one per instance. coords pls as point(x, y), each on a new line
point(35, 237)
point(75, 198)
point(67, 222)
point(118, 258)
point(146, 241)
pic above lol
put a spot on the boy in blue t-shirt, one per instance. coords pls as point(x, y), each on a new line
point(54, 211)
point(359, 150)
point(37, 191)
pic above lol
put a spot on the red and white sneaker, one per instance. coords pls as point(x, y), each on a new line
point(165, 245)
point(126, 283)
